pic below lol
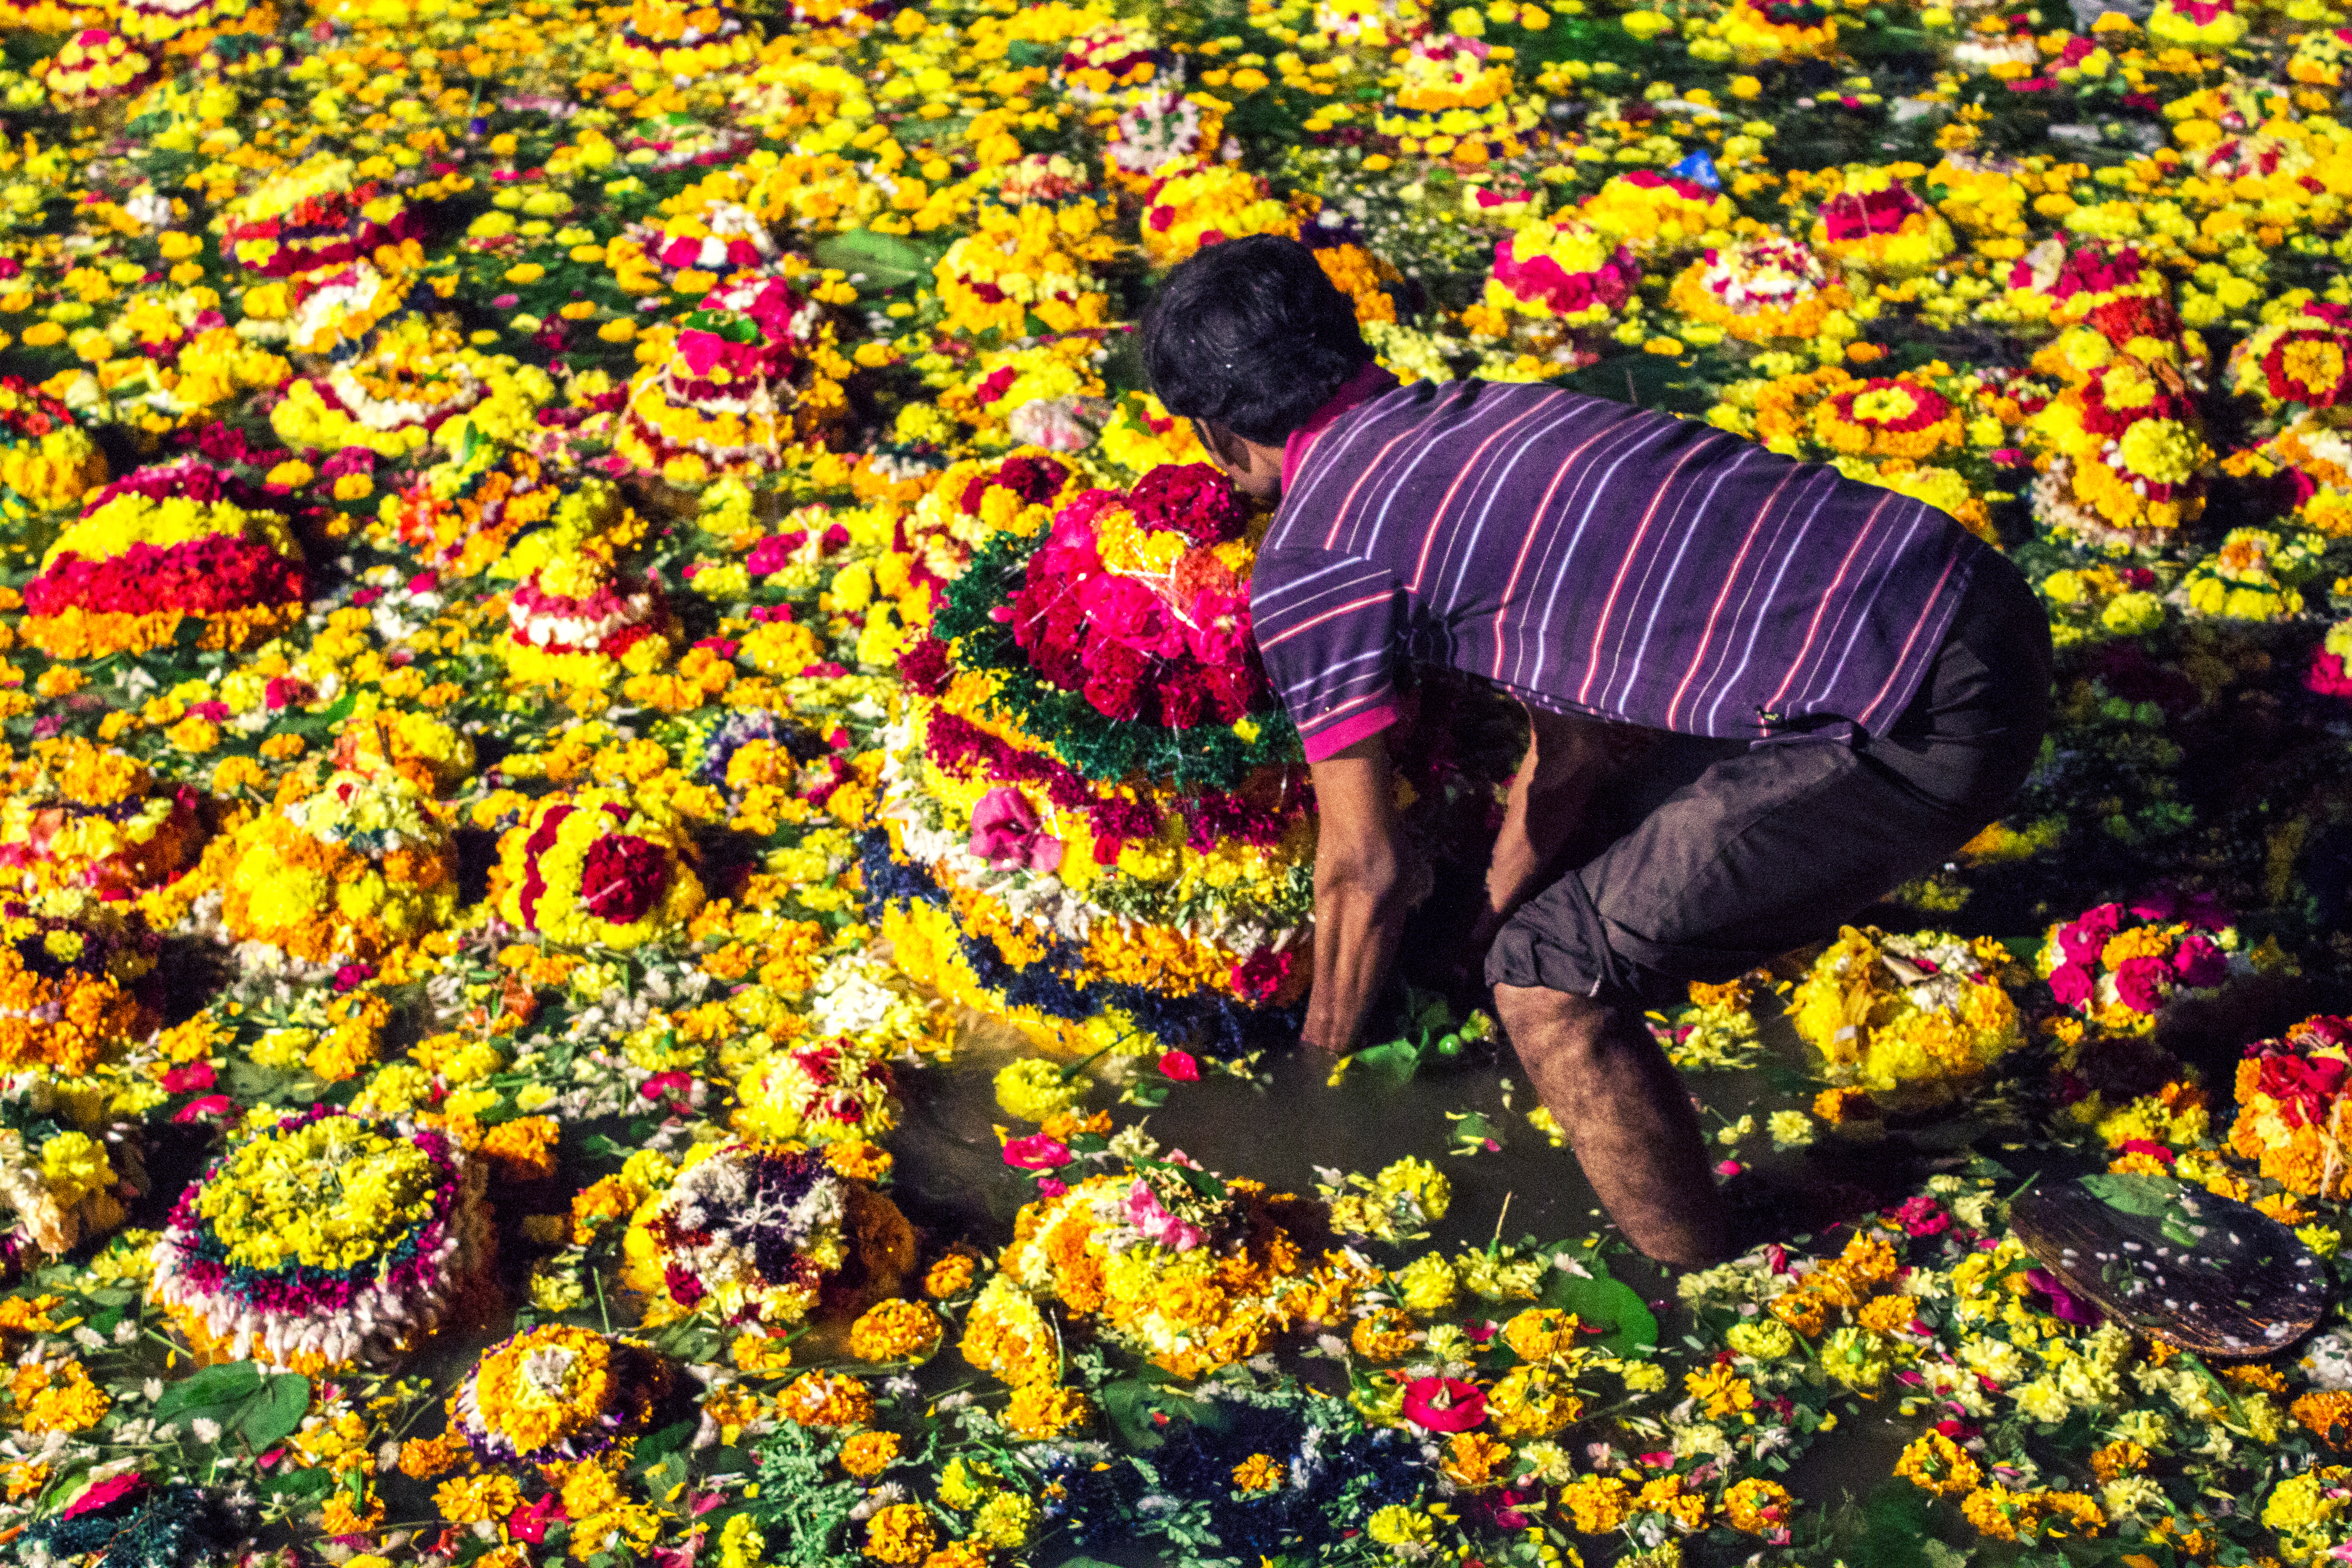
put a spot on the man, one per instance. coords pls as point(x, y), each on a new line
point(1618, 571)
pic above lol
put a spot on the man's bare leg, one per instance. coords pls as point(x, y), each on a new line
point(1627, 1117)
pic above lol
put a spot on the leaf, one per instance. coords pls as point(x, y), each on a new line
point(1130, 1404)
point(1604, 1302)
point(300, 1483)
point(214, 1388)
point(270, 1418)
point(1397, 1059)
point(656, 1446)
point(2149, 1196)
point(1895, 1523)
point(879, 263)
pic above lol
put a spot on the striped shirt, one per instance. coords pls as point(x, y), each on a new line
point(1594, 558)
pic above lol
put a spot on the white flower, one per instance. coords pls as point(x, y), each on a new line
point(205, 1429)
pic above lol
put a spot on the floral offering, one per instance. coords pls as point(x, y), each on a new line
point(1912, 1020)
point(2118, 966)
point(319, 214)
point(754, 373)
point(343, 871)
point(555, 1393)
point(2290, 1106)
point(1876, 222)
point(595, 868)
point(1563, 269)
point(1768, 291)
point(1659, 215)
point(94, 66)
point(325, 1241)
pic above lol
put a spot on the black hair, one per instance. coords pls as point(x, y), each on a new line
point(1250, 333)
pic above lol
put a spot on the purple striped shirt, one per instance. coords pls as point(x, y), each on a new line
point(1591, 557)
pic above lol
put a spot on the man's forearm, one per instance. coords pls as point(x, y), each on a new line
point(1359, 917)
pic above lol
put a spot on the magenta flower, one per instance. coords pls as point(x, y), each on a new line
point(1005, 832)
point(1037, 1151)
point(1444, 1404)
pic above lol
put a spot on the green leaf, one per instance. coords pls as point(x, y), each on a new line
point(1895, 1523)
point(300, 1483)
point(879, 262)
point(271, 1417)
point(659, 1446)
point(2149, 1196)
point(1603, 1301)
point(1397, 1059)
point(214, 1388)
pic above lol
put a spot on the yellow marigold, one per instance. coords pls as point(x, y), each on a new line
point(1542, 1333)
point(1535, 1401)
point(1474, 1461)
point(1041, 1410)
point(1259, 1473)
point(1384, 1334)
point(1598, 1504)
point(902, 1532)
point(826, 1399)
point(896, 1329)
point(1934, 1463)
point(868, 1454)
point(421, 1458)
point(470, 1500)
point(950, 1276)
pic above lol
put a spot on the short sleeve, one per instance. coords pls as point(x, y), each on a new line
point(1327, 626)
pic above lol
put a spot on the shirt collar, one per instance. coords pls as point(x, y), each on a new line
point(1361, 387)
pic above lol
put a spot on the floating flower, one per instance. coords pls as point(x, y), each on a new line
point(316, 216)
point(2255, 575)
point(1190, 209)
point(754, 372)
point(825, 1092)
point(556, 1394)
point(681, 39)
point(1912, 1019)
point(2297, 360)
point(1562, 269)
point(2197, 24)
point(81, 816)
point(1030, 261)
point(1780, 29)
point(1767, 290)
point(1656, 213)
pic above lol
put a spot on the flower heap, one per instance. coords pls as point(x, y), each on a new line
point(1659, 215)
point(2257, 574)
point(1027, 261)
point(1041, 863)
point(335, 309)
point(93, 65)
point(1770, 290)
point(1454, 99)
point(1877, 223)
point(1192, 207)
point(2118, 966)
point(578, 617)
point(79, 815)
point(1194, 1271)
point(2066, 283)
point(827, 1091)
point(682, 40)
point(2291, 1108)
point(184, 27)
point(60, 1185)
point(317, 216)
point(1561, 269)
point(753, 374)
point(2199, 25)
point(720, 237)
point(595, 868)
point(1099, 62)
point(460, 514)
point(347, 865)
point(392, 395)
point(179, 543)
point(47, 461)
point(326, 1240)
point(1780, 29)
point(755, 1235)
point(1910, 1020)
point(2127, 454)
point(556, 1394)
point(69, 972)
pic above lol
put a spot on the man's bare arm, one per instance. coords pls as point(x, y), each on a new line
point(1366, 879)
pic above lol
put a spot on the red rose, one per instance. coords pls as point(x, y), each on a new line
point(622, 878)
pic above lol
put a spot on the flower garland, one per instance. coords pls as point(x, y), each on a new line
point(1912, 1020)
point(596, 868)
point(326, 1240)
point(47, 462)
point(2256, 575)
point(2297, 361)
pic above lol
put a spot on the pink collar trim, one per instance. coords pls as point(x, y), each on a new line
point(1361, 387)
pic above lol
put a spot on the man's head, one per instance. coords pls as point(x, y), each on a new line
point(1249, 339)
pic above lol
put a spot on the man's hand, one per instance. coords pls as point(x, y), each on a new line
point(1367, 878)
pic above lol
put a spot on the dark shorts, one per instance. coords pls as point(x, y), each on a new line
point(1774, 846)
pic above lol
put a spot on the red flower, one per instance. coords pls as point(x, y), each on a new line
point(621, 877)
point(101, 1494)
point(1195, 500)
point(2142, 984)
point(1179, 1066)
point(1444, 1404)
point(2074, 984)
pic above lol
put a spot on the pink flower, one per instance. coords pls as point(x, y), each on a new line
point(2199, 963)
point(1037, 1151)
point(2064, 1304)
point(2072, 984)
point(2086, 938)
point(190, 1075)
point(100, 1494)
point(1145, 1211)
point(1179, 1066)
point(1005, 832)
point(1444, 1404)
point(210, 1105)
point(2157, 1151)
point(529, 1521)
point(2142, 984)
